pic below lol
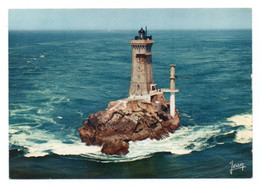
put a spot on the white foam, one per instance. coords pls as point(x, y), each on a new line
point(21, 109)
point(49, 106)
point(244, 134)
point(13, 131)
point(77, 148)
point(186, 115)
point(57, 147)
point(244, 119)
point(183, 141)
point(177, 143)
point(192, 138)
point(49, 142)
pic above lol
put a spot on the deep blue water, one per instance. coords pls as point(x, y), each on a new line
point(57, 78)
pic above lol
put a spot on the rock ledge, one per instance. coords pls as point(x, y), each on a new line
point(128, 120)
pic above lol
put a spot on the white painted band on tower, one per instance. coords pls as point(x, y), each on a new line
point(172, 87)
point(172, 104)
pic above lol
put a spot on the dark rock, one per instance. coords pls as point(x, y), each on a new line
point(128, 120)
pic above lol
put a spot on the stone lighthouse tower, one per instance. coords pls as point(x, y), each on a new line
point(142, 69)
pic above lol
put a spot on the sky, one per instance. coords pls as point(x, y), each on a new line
point(85, 19)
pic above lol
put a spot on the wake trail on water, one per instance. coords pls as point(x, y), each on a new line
point(186, 139)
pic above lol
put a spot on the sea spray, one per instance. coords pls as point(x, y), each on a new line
point(183, 141)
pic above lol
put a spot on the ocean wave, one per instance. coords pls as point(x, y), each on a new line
point(20, 109)
point(41, 142)
point(244, 134)
point(184, 140)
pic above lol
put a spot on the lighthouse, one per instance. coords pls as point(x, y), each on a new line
point(143, 114)
point(142, 85)
point(142, 70)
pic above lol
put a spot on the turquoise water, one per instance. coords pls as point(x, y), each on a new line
point(57, 78)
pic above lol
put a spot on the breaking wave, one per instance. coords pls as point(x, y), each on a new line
point(186, 139)
point(245, 133)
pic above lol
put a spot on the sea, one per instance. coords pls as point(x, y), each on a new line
point(58, 78)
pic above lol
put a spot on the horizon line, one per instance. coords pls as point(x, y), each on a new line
point(109, 30)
